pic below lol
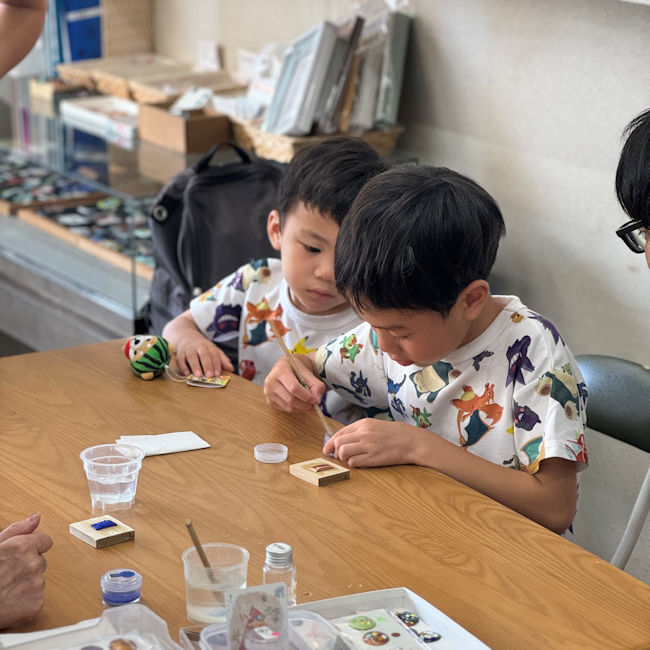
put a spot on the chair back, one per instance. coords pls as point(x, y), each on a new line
point(619, 398)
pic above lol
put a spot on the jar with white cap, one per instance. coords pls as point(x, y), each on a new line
point(280, 567)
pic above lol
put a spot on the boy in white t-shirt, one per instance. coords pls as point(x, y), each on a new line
point(297, 292)
point(479, 386)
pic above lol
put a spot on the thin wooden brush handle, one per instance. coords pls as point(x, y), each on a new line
point(204, 558)
point(197, 544)
point(296, 371)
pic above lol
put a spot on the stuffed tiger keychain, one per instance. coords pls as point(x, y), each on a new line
point(150, 356)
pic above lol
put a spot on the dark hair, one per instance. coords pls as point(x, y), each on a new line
point(415, 238)
point(633, 172)
point(328, 175)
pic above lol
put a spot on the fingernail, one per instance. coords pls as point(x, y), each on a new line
point(36, 515)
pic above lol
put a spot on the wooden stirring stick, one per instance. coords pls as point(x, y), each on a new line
point(296, 370)
point(204, 559)
point(197, 545)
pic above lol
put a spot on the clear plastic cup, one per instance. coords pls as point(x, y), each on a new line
point(112, 472)
point(205, 588)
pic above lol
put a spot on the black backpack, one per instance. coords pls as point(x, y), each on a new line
point(205, 223)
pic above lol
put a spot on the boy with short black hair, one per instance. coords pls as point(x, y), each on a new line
point(492, 380)
point(298, 292)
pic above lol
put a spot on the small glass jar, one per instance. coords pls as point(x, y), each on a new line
point(121, 587)
point(279, 567)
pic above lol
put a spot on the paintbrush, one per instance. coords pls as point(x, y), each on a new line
point(204, 558)
point(296, 371)
point(197, 544)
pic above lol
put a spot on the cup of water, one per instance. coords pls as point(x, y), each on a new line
point(112, 472)
point(205, 587)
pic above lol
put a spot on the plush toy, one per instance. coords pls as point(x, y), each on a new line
point(148, 355)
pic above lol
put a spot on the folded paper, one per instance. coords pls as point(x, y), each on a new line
point(165, 443)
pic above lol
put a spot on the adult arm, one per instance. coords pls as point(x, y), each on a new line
point(21, 23)
point(22, 567)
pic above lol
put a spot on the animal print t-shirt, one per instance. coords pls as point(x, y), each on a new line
point(240, 307)
point(514, 395)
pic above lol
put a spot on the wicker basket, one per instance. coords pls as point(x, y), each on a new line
point(240, 131)
point(283, 147)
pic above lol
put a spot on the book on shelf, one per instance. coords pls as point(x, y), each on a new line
point(371, 52)
point(299, 86)
point(338, 94)
point(349, 93)
point(331, 77)
point(397, 28)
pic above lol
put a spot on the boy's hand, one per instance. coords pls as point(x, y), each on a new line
point(193, 352)
point(285, 392)
point(197, 355)
point(371, 443)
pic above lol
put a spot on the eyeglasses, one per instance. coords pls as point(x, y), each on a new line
point(634, 233)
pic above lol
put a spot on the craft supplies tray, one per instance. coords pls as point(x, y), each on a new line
point(113, 230)
point(27, 184)
point(345, 609)
point(129, 627)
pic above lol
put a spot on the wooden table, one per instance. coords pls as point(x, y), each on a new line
point(507, 580)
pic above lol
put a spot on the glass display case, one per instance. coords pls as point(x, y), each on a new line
point(75, 249)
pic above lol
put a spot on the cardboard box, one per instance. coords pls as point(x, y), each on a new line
point(160, 164)
point(51, 90)
point(44, 96)
point(195, 133)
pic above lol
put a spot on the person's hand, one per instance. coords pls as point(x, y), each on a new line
point(22, 568)
point(193, 352)
point(283, 390)
point(372, 442)
point(197, 355)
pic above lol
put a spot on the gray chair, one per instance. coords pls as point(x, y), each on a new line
point(619, 406)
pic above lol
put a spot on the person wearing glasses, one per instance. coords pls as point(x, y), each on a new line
point(633, 184)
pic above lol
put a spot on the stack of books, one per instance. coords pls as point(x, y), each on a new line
point(343, 78)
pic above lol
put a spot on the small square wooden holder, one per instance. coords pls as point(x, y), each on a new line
point(319, 471)
point(103, 537)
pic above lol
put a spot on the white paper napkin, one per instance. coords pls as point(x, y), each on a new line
point(165, 443)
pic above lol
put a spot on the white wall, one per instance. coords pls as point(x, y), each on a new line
point(529, 97)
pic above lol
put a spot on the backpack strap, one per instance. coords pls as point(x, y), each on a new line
point(204, 163)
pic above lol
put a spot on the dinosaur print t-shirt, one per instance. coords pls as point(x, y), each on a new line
point(514, 395)
point(241, 305)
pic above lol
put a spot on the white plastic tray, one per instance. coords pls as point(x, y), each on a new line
point(130, 621)
point(453, 635)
